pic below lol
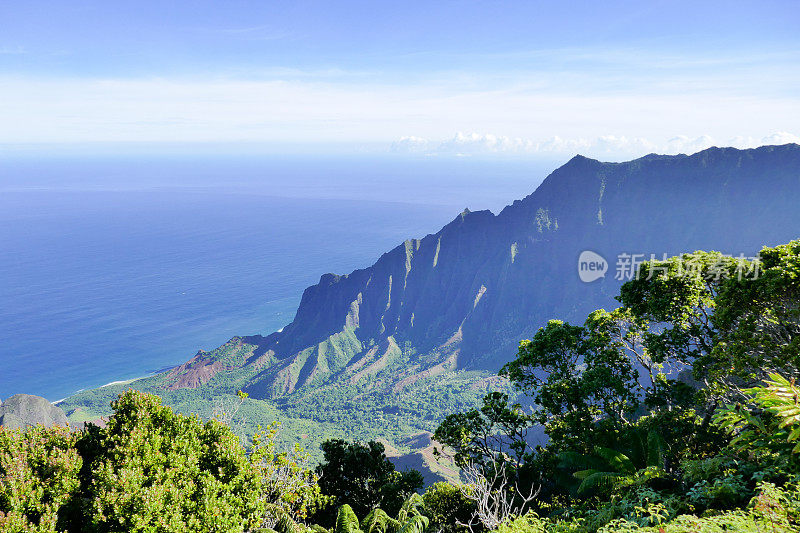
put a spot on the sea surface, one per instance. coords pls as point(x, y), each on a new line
point(115, 267)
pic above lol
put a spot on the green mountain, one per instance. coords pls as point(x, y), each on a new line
point(388, 350)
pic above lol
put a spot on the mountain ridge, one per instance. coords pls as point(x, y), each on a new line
point(409, 293)
point(389, 349)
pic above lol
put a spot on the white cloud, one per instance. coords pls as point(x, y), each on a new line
point(781, 137)
point(683, 144)
point(686, 145)
point(604, 145)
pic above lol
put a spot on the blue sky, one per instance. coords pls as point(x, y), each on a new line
point(619, 78)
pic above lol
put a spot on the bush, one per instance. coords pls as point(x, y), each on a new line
point(38, 479)
point(157, 470)
point(773, 509)
point(447, 507)
point(287, 482)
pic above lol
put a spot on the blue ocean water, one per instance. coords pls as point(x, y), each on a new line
point(113, 268)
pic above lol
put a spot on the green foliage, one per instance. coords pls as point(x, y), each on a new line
point(766, 434)
point(286, 479)
point(150, 469)
point(447, 508)
point(409, 519)
point(586, 379)
point(760, 319)
point(159, 470)
point(781, 397)
point(360, 475)
point(399, 487)
point(487, 435)
point(324, 412)
point(347, 521)
point(377, 521)
point(610, 470)
point(636, 435)
point(38, 479)
point(772, 509)
point(635, 444)
point(775, 428)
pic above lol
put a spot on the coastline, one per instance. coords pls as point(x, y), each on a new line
point(110, 384)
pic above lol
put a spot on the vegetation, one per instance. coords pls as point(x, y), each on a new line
point(679, 411)
point(313, 416)
point(361, 476)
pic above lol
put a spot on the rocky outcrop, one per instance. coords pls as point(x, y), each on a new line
point(194, 373)
point(25, 410)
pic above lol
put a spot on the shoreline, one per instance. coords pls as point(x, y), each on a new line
point(109, 384)
point(124, 381)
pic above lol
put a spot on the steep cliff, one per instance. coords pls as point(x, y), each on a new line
point(462, 298)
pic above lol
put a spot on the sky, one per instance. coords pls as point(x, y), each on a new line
point(612, 79)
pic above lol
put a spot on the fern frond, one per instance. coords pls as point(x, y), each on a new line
point(347, 521)
point(656, 449)
point(377, 521)
point(599, 481)
point(416, 524)
point(618, 461)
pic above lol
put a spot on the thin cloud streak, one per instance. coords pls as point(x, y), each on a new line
point(13, 50)
point(299, 111)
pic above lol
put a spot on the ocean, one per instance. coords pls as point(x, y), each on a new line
point(116, 267)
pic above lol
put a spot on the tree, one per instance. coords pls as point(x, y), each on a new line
point(626, 369)
point(360, 475)
point(581, 377)
point(495, 433)
point(498, 498)
point(759, 316)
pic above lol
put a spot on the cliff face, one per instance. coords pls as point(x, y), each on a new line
point(464, 296)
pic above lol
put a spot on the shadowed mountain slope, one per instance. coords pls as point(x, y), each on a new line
point(464, 296)
point(388, 350)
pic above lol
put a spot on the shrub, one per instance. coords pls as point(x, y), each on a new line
point(287, 482)
point(447, 508)
point(158, 470)
point(38, 479)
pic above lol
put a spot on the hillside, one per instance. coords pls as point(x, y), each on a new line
point(389, 349)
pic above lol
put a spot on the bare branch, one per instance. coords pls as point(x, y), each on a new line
point(496, 499)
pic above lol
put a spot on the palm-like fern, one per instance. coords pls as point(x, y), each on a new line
point(415, 524)
point(610, 469)
point(782, 398)
point(377, 521)
point(347, 521)
point(753, 431)
point(409, 519)
point(410, 508)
